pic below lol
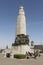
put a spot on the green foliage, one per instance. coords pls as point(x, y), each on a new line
point(32, 43)
point(19, 56)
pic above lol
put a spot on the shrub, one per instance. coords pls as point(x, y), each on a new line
point(20, 56)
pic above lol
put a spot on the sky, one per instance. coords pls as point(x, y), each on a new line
point(8, 17)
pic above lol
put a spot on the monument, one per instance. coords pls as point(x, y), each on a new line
point(21, 37)
point(21, 43)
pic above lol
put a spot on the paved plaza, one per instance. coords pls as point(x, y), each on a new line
point(31, 61)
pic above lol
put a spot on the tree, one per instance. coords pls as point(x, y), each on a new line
point(32, 43)
point(7, 47)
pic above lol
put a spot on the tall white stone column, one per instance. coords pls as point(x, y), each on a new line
point(21, 22)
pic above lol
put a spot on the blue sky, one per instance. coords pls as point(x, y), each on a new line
point(8, 15)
